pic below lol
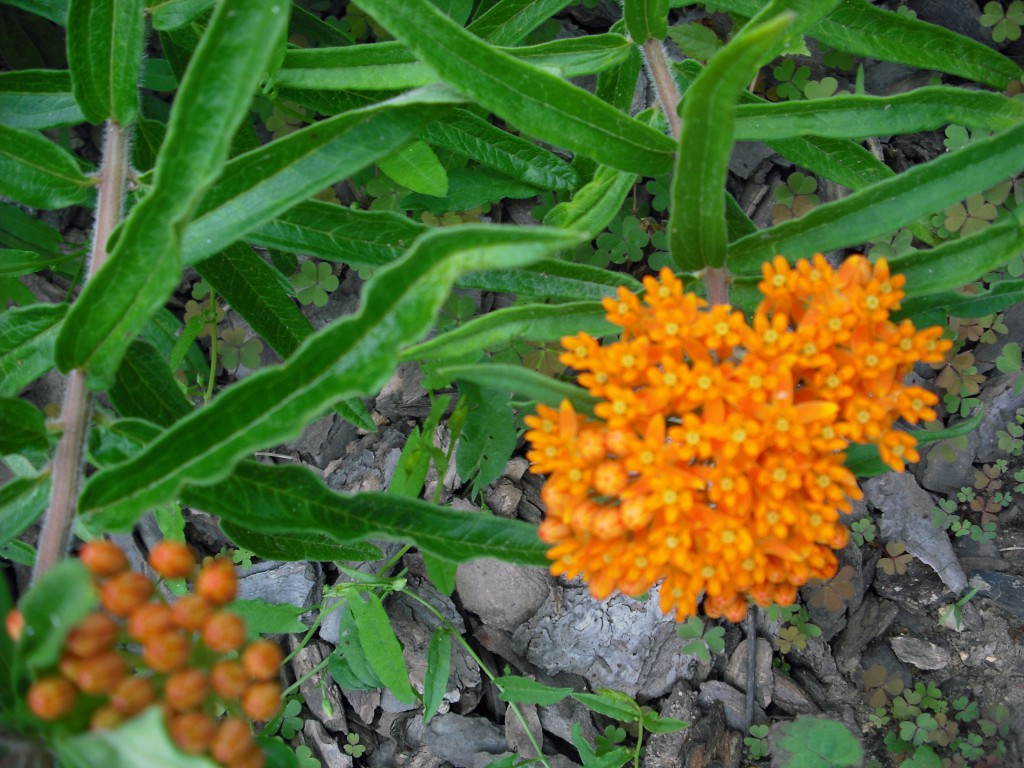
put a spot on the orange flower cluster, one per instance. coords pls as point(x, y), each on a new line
point(716, 460)
point(194, 662)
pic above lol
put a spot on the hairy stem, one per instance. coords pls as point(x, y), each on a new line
point(668, 93)
point(67, 463)
point(716, 280)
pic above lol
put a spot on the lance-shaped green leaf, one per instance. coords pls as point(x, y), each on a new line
point(887, 205)
point(535, 322)
point(21, 426)
point(104, 56)
point(416, 167)
point(863, 460)
point(328, 231)
point(697, 228)
point(144, 266)
point(958, 262)
point(529, 385)
point(935, 308)
point(390, 66)
point(22, 502)
point(435, 679)
point(351, 357)
point(38, 98)
point(286, 500)
point(17, 263)
point(534, 100)
point(380, 645)
point(146, 387)
point(508, 22)
point(646, 19)
point(863, 29)
point(27, 336)
point(38, 173)
point(854, 117)
point(840, 160)
point(553, 280)
point(172, 14)
point(594, 206)
point(259, 294)
point(463, 132)
point(262, 183)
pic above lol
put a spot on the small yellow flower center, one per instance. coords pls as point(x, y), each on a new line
point(641, 562)
point(782, 424)
point(669, 496)
point(580, 351)
point(749, 564)
point(833, 381)
point(670, 380)
point(672, 329)
point(671, 542)
point(778, 281)
point(835, 325)
point(623, 308)
point(906, 345)
point(692, 437)
point(707, 571)
point(814, 520)
point(770, 336)
point(755, 381)
point(628, 361)
point(739, 435)
point(728, 537)
point(647, 457)
point(871, 302)
point(824, 481)
point(886, 287)
point(575, 474)
point(705, 382)
point(871, 361)
point(780, 475)
point(863, 416)
point(727, 484)
point(620, 408)
point(810, 348)
point(722, 328)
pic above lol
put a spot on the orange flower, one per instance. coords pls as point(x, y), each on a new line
point(715, 462)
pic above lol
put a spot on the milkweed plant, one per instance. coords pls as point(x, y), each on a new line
point(701, 429)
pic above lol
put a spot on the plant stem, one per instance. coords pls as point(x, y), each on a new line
point(668, 93)
point(67, 463)
point(751, 667)
point(716, 279)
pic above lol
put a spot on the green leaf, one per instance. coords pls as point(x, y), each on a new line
point(840, 160)
point(57, 601)
point(265, 182)
point(381, 647)
point(104, 46)
point(646, 19)
point(21, 426)
point(146, 387)
point(38, 98)
point(27, 337)
point(695, 40)
point(171, 14)
point(887, 205)
point(442, 572)
point(435, 679)
point(863, 460)
point(593, 207)
point(488, 437)
point(553, 280)
point(263, 618)
point(391, 66)
point(18, 263)
point(522, 690)
point(1010, 360)
point(529, 385)
point(936, 307)
point(858, 27)
point(142, 742)
point(351, 357)
point(38, 173)
point(657, 724)
point(536, 101)
point(348, 664)
point(855, 117)
point(611, 704)
point(811, 742)
point(471, 188)
point(697, 228)
point(955, 263)
point(22, 502)
point(473, 137)
point(54, 10)
point(416, 167)
point(144, 266)
point(292, 503)
point(535, 322)
point(508, 22)
point(328, 231)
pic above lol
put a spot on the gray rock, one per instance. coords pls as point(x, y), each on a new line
point(304, 662)
point(917, 588)
point(663, 750)
point(1000, 404)
point(736, 671)
point(906, 516)
point(295, 584)
point(559, 720)
point(324, 746)
point(502, 595)
point(1006, 591)
point(733, 703)
point(790, 697)
point(619, 643)
point(516, 733)
point(748, 155)
point(920, 653)
point(871, 620)
point(456, 738)
point(938, 473)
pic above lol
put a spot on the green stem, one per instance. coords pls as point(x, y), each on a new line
point(483, 668)
point(664, 84)
point(213, 349)
point(67, 463)
point(315, 670)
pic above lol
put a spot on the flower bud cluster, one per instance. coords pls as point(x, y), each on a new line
point(715, 461)
point(188, 656)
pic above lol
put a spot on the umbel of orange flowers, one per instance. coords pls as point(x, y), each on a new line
point(715, 463)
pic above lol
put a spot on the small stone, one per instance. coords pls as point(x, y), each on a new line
point(790, 697)
point(920, 653)
point(734, 703)
point(516, 734)
point(295, 584)
point(736, 671)
point(501, 594)
point(871, 620)
point(456, 738)
point(324, 746)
